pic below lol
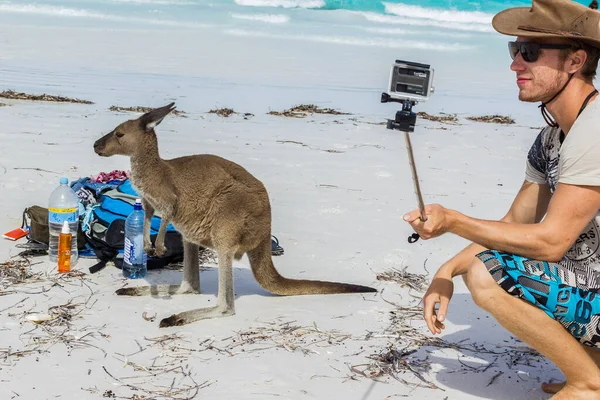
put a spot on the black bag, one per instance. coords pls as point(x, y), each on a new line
point(107, 247)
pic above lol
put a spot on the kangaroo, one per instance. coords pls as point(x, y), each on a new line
point(212, 202)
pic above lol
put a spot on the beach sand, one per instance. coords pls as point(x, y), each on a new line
point(338, 185)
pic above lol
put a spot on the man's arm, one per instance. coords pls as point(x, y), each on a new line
point(528, 207)
point(571, 209)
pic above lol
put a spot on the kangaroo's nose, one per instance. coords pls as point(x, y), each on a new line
point(98, 147)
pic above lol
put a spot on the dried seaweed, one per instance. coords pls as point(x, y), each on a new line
point(57, 326)
point(223, 112)
point(394, 363)
point(11, 94)
point(493, 119)
point(16, 271)
point(304, 110)
point(443, 117)
point(171, 364)
point(175, 391)
point(416, 282)
point(402, 354)
point(288, 336)
point(227, 112)
point(140, 109)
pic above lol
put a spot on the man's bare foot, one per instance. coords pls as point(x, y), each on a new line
point(573, 393)
point(553, 388)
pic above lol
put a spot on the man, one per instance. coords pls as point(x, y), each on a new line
point(541, 277)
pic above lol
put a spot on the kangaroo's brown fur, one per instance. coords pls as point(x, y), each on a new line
point(213, 203)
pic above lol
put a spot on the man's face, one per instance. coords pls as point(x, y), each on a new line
point(542, 79)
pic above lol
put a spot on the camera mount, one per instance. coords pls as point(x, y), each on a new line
point(405, 121)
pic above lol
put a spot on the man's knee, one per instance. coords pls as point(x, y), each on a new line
point(481, 284)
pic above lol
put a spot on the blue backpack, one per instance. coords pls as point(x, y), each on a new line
point(105, 229)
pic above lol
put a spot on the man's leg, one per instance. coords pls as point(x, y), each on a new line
point(524, 321)
point(552, 388)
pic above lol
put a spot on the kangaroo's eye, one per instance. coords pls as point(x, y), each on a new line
point(119, 134)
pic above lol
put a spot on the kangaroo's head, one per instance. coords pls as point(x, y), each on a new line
point(129, 137)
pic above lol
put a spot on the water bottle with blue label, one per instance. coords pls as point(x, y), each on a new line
point(63, 205)
point(134, 256)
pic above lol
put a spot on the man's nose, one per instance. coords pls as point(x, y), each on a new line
point(518, 64)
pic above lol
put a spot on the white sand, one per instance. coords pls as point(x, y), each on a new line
point(338, 216)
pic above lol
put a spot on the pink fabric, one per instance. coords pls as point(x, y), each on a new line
point(105, 177)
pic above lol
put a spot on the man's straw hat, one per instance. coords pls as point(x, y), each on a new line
point(551, 19)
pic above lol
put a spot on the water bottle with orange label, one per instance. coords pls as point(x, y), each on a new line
point(63, 206)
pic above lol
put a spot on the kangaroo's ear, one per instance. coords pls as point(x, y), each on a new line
point(152, 118)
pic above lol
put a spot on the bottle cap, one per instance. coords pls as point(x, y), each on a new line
point(138, 204)
point(64, 180)
point(65, 227)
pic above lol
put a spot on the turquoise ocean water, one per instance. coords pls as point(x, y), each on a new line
point(462, 11)
point(466, 12)
point(350, 44)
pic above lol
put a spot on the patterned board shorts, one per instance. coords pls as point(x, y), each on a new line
point(568, 294)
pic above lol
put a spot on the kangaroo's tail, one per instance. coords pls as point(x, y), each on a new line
point(267, 276)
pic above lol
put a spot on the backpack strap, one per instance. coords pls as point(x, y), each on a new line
point(106, 254)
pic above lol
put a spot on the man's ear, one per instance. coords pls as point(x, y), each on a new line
point(577, 60)
point(152, 118)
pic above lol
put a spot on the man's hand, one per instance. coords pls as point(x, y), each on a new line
point(437, 221)
point(439, 292)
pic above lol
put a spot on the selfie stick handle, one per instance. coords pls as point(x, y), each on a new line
point(415, 177)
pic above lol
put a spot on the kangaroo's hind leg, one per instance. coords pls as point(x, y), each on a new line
point(225, 302)
point(191, 269)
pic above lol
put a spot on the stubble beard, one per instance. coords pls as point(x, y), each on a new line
point(544, 96)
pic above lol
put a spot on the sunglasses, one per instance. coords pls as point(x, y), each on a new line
point(530, 51)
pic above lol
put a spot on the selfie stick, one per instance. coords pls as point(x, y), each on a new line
point(415, 177)
point(405, 121)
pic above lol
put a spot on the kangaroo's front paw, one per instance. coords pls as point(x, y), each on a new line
point(160, 250)
point(148, 249)
point(173, 320)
